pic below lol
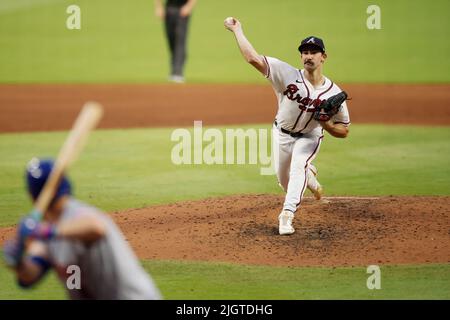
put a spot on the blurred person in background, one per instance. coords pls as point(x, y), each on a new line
point(176, 14)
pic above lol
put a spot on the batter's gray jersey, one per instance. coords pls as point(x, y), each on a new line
point(109, 268)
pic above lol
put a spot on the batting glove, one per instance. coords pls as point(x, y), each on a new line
point(30, 228)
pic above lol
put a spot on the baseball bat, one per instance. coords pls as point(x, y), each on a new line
point(86, 121)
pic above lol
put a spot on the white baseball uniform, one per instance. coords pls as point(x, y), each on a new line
point(296, 136)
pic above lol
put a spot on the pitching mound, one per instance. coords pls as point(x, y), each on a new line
point(344, 231)
point(339, 231)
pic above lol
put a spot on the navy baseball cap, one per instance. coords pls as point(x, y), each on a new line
point(37, 173)
point(312, 41)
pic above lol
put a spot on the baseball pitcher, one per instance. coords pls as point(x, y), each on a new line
point(308, 103)
point(73, 233)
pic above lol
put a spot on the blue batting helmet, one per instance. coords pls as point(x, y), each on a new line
point(38, 171)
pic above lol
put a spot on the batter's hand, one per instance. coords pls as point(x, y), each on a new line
point(232, 24)
point(30, 228)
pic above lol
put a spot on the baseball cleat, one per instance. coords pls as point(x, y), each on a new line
point(317, 192)
point(285, 226)
point(176, 78)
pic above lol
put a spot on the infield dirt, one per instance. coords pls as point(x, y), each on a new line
point(35, 107)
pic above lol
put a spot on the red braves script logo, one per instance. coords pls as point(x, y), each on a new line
point(304, 102)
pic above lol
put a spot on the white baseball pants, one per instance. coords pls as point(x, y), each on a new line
point(292, 161)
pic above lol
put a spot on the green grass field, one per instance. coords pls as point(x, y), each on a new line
point(124, 42)
point(140, 172)
point(209, 281)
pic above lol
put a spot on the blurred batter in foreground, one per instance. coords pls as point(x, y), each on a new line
point(75, 236)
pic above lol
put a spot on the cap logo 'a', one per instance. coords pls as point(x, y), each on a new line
point(311, 40)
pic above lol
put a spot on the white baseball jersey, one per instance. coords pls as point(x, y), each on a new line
point(297, 98)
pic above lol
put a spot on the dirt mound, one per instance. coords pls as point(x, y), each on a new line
point(244, 229)
point(34, 107)
point(340, 231)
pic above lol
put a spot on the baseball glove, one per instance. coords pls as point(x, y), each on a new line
point(330, 107)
